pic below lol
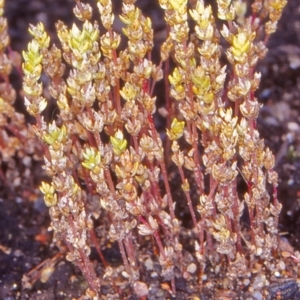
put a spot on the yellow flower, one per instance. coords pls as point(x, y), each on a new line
point(129, 92)
point(178, 5)
point(241, 44)
point(118, 142)
point(32, 58)
point(40, 35)
point(130, 16)
point(176, 130)
point(50, 197)
point(176, 78)
point(92, 159)
point(200, 79)
point(278, 4)
point(55, 134)
point(84, 40)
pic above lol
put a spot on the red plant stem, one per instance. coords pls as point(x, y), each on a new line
point(173, 286)
point(156, 236)
point(120, 242)
point(124, 257)
point(39, 122)
point(151, 90)
point(86, 265)
point(166, 182)
point(237, 108)
point(109, 180)
point(130, 251)
point(155, 187)
point(163, 226)
point(15, 131)
point(135, 143)
point(235, 210)
point(189, 202)
point(98, 140)
point(117, 97)
point(251, 211)
point(212, 184)
point(275, 196)
point(163, 169)
point(198, 174)
point(191, 209)
point(168, 107)
point(2, 177)
point(91, 139)
point(159, 243)
point(212, 190)
point(94, 239)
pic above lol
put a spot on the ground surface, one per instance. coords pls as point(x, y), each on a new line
point(24, 240)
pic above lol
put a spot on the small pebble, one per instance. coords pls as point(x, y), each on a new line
point(153, 274)
point(140, 289)
point(246, 282)
point(257, 295)
point(149, 264)
point(192, 268)
point(18, 253)
point(277, 274)
point(293, 126)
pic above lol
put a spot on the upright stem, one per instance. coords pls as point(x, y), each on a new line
point(235, 210)
point(124, 257)
point(163, 169)
point(168, 106)
point(130, 251)
point(94, 239)
point(198, 174)
point(117, 98)
point(156, 236)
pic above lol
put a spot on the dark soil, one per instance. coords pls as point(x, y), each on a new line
point(24, 239)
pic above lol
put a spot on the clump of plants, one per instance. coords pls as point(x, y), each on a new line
point(15, 135)
point(109, 165)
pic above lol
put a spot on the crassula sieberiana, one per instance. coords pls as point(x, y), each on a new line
point(108, 160)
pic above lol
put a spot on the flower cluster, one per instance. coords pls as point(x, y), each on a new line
point(106, 156)
point(18, 147)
